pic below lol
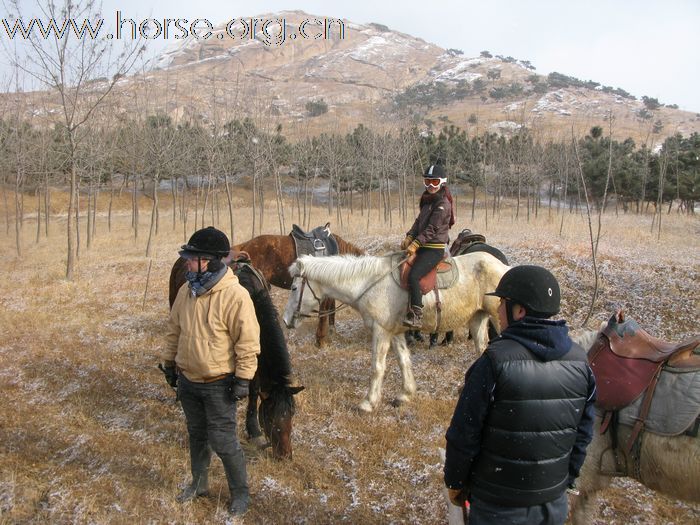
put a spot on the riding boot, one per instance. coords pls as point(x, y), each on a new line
point(237, 477)
point(414, 317)
point(200, 475)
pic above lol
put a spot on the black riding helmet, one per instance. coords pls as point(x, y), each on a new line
point(206, 243)
point(533, 287)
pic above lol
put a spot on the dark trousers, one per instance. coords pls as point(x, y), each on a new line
point(426, 259)
point(211, 422)
point(550, 513)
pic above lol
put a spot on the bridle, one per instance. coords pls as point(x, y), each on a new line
point(315, 313)
point(318, 313)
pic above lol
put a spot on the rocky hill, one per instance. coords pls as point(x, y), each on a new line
point(373, 75)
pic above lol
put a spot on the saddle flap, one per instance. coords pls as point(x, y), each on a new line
point(619, 380)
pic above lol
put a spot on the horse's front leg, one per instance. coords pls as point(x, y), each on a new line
point(404, 357)
point(322, 328)
point(331, 317)
point(381, 340)
point(252, 426)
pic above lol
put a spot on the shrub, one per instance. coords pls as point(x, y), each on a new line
point(316, 107)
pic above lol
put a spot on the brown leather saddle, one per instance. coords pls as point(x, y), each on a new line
point(429, 281)
point(626, 361)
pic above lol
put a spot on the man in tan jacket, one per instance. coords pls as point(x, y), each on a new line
point(211, 353)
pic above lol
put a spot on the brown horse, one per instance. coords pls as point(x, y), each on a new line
point(272, 255)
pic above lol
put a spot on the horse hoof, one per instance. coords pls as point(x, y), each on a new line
point(365, 407)
point(260, 442)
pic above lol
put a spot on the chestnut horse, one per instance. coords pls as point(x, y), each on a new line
point(272, 255)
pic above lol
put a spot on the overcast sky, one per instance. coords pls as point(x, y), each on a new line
point(642, 46)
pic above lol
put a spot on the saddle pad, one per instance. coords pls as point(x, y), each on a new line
point(445, 279)
point(619, 380)
point(674, 407)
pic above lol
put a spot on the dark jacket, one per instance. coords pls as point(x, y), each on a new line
point(524, 419)
point(431, 227)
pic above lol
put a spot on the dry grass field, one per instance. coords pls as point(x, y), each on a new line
point(90, 432)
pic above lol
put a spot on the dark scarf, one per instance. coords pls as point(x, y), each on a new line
point(430, 198)
point(201, 283)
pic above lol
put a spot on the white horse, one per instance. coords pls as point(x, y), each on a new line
point(365, 283)
point(668, 464)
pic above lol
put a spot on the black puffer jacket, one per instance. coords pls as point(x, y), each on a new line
point(524, 419)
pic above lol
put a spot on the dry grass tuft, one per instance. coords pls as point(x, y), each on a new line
point(90, 432)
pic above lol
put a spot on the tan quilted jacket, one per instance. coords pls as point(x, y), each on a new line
point(213, 334)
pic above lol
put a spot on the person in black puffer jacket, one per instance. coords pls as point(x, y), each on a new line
point(519, 432)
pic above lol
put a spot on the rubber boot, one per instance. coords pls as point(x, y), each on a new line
point(414, 317)
point(237, 477)
point(200, 476)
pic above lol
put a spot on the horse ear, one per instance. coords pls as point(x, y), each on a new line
point(295, 389)
point(327, 227)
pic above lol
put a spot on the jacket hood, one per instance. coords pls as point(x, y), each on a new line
point(545, 338)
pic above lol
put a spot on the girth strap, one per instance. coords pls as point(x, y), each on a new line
point(644, 411)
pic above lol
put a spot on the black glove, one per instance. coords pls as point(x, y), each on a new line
point(239, 389)
point(170, 374)
point(572, 488)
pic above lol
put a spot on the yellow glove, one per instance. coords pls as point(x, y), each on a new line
point(406, 242)
point(456, 497)
point(411, 249)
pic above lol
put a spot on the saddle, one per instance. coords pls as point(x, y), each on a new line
point(318, 242)
point(627, 362)
point(468, 242)
point(442, 276)
point(465, 238)
point(240, 262)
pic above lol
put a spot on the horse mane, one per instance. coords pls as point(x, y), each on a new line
point(345, 268)
point(585, 338)
point(274, 365)
point(347, 247)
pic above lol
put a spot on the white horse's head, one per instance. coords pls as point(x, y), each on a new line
point(303, 301)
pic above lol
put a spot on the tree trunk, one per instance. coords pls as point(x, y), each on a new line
point(37, 193)
point(154, 218)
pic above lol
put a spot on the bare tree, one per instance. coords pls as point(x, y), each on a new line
point(76, 67)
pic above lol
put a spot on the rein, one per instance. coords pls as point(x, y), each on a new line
point(318, 313)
